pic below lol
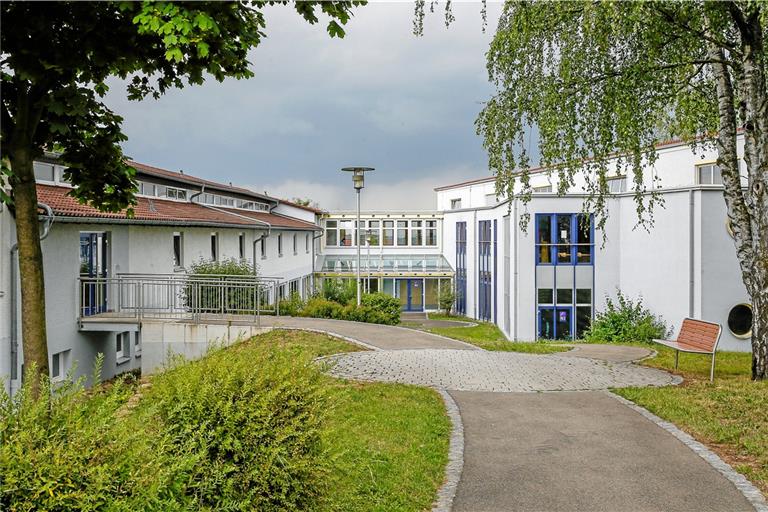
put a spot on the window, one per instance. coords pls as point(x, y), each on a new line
point(241, 245)
point(263, 247)
point(455, 204)
point(389, 233)
point(306, 243)
point(402, 232)
point(280, 244)
point(176, 193)
point(484, 272)
point(161, 190)
point(345, 233)
point(215, 246)
point(546, 296)
point(709, 174)
point(374, 234)
point(564, 296)
point(543, 189)
point(43, 171)
point(137, 343)
point(617, 185)
point(740, 320)
point(461, 268)
point(331, 233)
point(417, 235)
point(583, 296)
point(122, 347)
point(178, 250)
point(431, 233)
point(490, 199)
point(295, 246)
point(59, 365)
point(564, 239)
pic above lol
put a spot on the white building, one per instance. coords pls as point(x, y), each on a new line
point(548, 281)
point(179, 220)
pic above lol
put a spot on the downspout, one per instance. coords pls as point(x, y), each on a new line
point(48, 219)
point(515, 269)
point(196, 194)
point(691, 249)
point(476, 261)
point(315, 237)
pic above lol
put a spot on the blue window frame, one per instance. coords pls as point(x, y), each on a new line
point(484, 270)
point(461, 268)
point(564, 239)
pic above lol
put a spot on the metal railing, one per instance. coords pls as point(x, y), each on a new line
point(177, 296)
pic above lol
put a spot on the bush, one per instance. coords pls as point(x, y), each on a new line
point(626, 321)
point(386, 307)
point(375, 308)
point(209, 435)
point(236, 298)
point(291, 306)
point(446, 299)
point(341, 291)
point(254, 424)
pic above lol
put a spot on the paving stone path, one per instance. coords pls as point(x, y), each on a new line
point(470, 370)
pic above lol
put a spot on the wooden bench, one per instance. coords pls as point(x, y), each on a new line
point(696, 337)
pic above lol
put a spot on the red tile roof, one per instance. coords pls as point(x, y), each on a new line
point(164, 211)
point(302, 207)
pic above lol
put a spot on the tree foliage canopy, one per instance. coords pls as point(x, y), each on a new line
point(57, 56)
point(602, 81)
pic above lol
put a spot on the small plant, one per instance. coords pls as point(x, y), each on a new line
point(291, 306)
point(206, 294)
point(341, 291)
point(626, 320)
point(446, 299)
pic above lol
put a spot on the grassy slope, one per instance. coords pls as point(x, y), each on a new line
point(487, 336)
point(389, 442)
point(730, 416)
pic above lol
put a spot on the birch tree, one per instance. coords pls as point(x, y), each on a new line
point(606, 81)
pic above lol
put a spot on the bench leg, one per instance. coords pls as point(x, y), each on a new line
point(677, 354)
point(712, 370)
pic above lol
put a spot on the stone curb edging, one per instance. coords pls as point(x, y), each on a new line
point(750, 492)
point(453, 469)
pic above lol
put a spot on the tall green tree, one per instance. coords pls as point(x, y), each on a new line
point(55, 60)
point(606, 81)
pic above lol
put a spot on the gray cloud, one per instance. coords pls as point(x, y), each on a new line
point(378, 97)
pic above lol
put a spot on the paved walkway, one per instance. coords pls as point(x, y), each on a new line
point(539, 451)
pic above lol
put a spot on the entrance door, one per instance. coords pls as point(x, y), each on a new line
point(411, 294)
point(93, 265)
point(555, 323)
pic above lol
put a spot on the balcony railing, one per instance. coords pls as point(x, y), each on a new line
point(176, 296)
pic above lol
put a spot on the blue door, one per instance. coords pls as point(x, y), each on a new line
point(411, 294)
point(556, 323)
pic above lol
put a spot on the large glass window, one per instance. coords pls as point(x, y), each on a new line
point(709, 174)
point(389, 232)
point(402, 232)
point(345, 233)
point(416, 233)
point(617, 185)
point(564, 239)
point(43, 171)
point(374, 236)
point(484, 273)
point(461, 268)
point(431, 233)
point(331, 233)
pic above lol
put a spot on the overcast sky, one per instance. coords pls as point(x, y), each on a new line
point(380, 97)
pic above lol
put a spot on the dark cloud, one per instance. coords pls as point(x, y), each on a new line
point(378, 97)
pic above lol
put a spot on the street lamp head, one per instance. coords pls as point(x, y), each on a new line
point(358, 175)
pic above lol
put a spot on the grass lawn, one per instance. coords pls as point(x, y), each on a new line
point(730, 416)
point(388, 442)
point(487, 336)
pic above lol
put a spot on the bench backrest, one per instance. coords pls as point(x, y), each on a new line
point(699, 334)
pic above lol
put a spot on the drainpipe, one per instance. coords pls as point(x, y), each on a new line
point(476, 285)
point(515, 269)
point(48, 219)
point(196, 194)
point(691, 250)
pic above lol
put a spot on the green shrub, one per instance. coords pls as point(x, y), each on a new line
point(387, 307)
point(626, 321)
point(254, 420)
point(318, 307)
point(342, 291)
point(291, 306)
point(74, 449)
point(236, 298)
point(446, 299)
point(235, 430)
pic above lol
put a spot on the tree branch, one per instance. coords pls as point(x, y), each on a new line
point(672, 18)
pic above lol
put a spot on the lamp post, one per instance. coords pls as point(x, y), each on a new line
point(358, 181)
